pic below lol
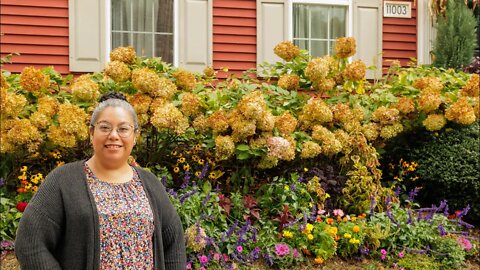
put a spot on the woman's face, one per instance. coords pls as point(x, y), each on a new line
point(113, 136)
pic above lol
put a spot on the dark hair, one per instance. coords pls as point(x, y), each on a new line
point(113, 99)
point(112, 94)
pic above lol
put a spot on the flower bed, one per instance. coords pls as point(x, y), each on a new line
point(258, 171)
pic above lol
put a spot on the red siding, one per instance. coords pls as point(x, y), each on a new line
point(400, 39)
point(234, 36)
point(38, 30)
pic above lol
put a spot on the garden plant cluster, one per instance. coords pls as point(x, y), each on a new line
point(280, 172)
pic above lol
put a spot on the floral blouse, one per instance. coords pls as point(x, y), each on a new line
point(126, 223)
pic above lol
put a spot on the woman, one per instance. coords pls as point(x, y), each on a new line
point(102, 213)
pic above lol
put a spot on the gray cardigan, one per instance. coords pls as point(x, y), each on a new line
point(60, 229)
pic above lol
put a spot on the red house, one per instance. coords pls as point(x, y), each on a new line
point(77, 35)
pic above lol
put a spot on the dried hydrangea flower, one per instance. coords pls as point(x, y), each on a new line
point(278, 147)
point(345, 47)
point(224, 147)
point(59, 136)
point(371, 131)
point(390, 131)
point(434, 122)
point(140, 102)
point(433, 83)
point(200, 123)
point(33, 80)
point(118, 71)
point(3, 81)
point(316, 111)
point(286, 123)
point(190, 104)
point(169, 117)
point(310, 149)
point(429, 100)
point(11, 104)
point(218, 121)
point(267, 162)
point(286, 50)
point(252, 105)
point(124, 54)
point(385, 115)
point(184, 80)
point(325, 85)
point(40, 120)
point(355, 71)
point(23, 132)
point(73, 119)
point(405, 105)
point(317, 69)
point(85, 89)
point(266, 122)
point(289, 82)
point(472, 88)
point(209, 72)
point(47, 105)
point(461, 112)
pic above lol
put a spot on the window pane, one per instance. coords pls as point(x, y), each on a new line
point(143, 44)
point(137, 22)
point(303, 44)
point(338, 20)
point(300, 21)
point(319, 48)
point(319, 21)
point(164, 47)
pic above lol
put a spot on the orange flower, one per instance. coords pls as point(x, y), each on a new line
point(329, 220)
point(337, 237)
point(356, 229)
point(319, 260)
point(319, 219)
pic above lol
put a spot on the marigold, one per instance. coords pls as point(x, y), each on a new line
point(286, 50)
point(345, 47)
point(33, 80)
point(355, 228)
point(319, 260)
point(118, 71)
point(124, 54)
point(287, 234)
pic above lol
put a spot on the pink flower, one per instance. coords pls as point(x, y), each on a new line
point(201, 268)
point(225, 257)
point(281, 249)
point(216, 256)
point(295, 253)
point(401, 254)
point(338, 212)
point(203, 259)
point(239, 249)
point(383, 257)
point(464, 243)
point(189, 266)
point(383, 251)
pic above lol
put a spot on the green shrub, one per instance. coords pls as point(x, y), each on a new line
point(448, 166)
point(418, 262)
point(456, 36)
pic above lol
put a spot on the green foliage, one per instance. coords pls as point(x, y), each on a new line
point(419, 262)
point(456, 36)
point(449, 253)
point(9, 218)
point(448, 167)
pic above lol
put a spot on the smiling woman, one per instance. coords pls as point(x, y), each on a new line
point(117, 205)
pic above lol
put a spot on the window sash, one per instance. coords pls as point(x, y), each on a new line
point(147, 25)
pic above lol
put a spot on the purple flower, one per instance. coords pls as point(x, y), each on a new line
point(409, 220)
point(2, 182)
point(412, 194)
point(293, 187)
point(239, 249)
point(281, 249)
point(441, 230)
point(364, 250)
point(204, 171)
point(464, 211)
point(295, 253)
point(397, 191)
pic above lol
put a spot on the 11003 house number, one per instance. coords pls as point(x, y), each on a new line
point(397, 9)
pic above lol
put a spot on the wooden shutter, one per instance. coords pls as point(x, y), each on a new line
point(195, 35)
point(367, 30)
point(272, 28)
point(87, 36)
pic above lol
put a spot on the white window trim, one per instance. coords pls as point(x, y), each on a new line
point(348, 3)
point(108, 29)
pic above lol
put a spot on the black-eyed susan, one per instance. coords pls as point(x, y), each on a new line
point(176, 169)
point(201, 161)
point(212, 175)
point(181, 160)
point(197, 147)
point(198, 173)
point(186, 167)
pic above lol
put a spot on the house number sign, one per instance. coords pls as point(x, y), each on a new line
point(397, 9)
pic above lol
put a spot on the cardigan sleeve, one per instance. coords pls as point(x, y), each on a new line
point(174, 245)
point(40, 228)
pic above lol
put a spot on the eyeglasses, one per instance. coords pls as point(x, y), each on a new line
point(123, 130)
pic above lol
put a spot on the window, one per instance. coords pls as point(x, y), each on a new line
point(146, 25)
point(317, 24)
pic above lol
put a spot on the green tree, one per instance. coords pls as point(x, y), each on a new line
point(456, 36)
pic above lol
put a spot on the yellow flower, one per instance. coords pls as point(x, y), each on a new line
point(327, 196)
point(287, 188)
point(309, 227)
point(212, 175)
point(354, 241)
point(356, 229)
point(347, 235)
point(310, 236)
point(353, 219)
point(24, 169)
point(197, 173)
point(60, 163)
point(305, 169)
point(186, 167)
point(176, 169)
point(333, 230)
point(181, 160)
point(287, 234)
